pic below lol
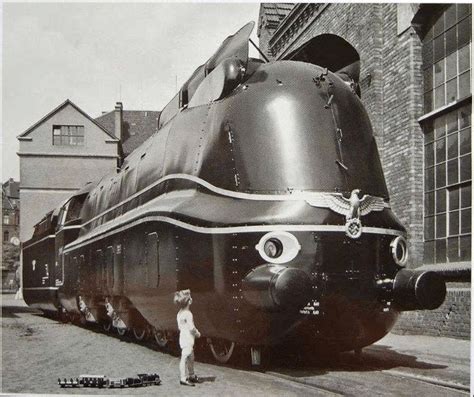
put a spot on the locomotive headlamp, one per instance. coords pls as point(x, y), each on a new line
point(278, 247)
point(273, 248)
point(399, 250)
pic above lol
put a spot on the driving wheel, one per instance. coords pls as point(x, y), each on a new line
point(160, 337)
point(139, 333)
point(221, 349)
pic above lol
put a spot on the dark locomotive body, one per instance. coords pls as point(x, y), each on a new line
point(231, 198)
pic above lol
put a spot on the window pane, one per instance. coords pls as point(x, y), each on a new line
point(451, 90)
point(80, 140)
point(439, 96)
point(464, 32)
point(465, 248)
point(429, 228)
point(439, 52)
point(452, 121)
point(465, 141)
point(453, 249)
point(465, 116)
point(428, 256)
point(465, 196)
point(454, 199)
point(441, 175)
point(464, 9)
point(465, 165)
point(451, 66)
point(439, 73)
point(429, 155)
point(454, 223)
point(427, 54)
point(441, 201)
point(452, 146)
point(450, 16)
point(441, 251)
point(438, 27)
point(451, 44)
point(464, 84)
point(56, 130)
point(80, 130)
point(56, 140)
point(428, 131)
point(428, 101)
point(429, 179)
point(453, 171)
point(466, 221)
point(428, 79)
point(440, 150)
point(440, 127)
point(441, 226)
point(464, 59)
point(429, 203)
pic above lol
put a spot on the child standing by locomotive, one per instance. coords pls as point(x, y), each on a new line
point(187, 333)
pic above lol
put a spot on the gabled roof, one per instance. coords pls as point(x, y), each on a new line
point(60, 107)
point(137, 126)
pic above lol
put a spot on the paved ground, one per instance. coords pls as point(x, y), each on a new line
point(37, 350)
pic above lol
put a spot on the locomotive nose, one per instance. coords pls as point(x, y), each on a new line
point(274, 287)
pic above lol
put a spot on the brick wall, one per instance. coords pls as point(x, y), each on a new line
point(452, 319)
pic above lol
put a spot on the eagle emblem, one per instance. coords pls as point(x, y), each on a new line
point(353, 208)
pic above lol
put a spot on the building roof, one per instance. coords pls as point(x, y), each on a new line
point(12, 188)
point(9, 203)
point(275, 12)
point(54, 111)
point(137, 126)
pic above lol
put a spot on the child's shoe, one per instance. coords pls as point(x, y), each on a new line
point(193, 379)
point(186, 383)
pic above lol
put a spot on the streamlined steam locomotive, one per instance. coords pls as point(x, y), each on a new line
point(262, 192)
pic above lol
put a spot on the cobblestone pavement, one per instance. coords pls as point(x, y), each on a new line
point(37, 350)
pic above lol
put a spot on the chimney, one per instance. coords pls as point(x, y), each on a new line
point(118, 120)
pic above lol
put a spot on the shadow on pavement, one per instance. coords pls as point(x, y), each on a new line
point(12, 311)
point(373, 359)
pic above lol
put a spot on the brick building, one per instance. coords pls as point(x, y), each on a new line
point(414, 62)
point(10, 210)
point(10, 250)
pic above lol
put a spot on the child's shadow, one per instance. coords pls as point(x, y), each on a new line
point(203, 379)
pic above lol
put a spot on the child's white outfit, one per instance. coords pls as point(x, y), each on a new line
point(187, 334)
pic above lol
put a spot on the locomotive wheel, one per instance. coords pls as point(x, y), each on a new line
point(160, 337)
point(221, 349)
point(121, 331)
point(139, 333)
